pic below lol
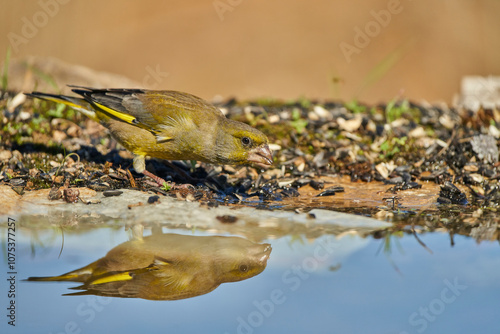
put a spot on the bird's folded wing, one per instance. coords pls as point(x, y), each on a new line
point(135, 107)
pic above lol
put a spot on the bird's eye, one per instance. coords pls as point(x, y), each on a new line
point(246, 141)
point(243, 268)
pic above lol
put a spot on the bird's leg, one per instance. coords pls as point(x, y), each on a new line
point(137, 231)
point(161, 182)
point(140, 167)
point(157, 179)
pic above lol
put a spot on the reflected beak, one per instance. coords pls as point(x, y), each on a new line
point(261, 156)
point(260, 253)
point(264, 256)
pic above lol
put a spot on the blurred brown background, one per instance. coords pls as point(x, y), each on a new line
point(373, 50)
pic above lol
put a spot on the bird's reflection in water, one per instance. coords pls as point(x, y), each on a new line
point(168, 267)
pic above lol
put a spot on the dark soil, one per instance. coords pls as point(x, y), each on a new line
point(400, 143)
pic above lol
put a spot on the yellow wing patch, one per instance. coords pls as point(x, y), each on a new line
point(124, 117)
point(56, 100)
point(113, 278)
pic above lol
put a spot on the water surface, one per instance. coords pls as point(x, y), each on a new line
point(331, 284)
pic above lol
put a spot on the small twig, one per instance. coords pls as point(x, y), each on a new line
point(62, 164)
point(418, 239)
point(257, 182)
point(452, 241)
point(131, 179)
point(448, 143)
point(393, 199)
point(62, 244)
point(387, 252)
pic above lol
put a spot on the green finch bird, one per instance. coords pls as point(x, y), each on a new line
point(168, 125)
point(168, 267)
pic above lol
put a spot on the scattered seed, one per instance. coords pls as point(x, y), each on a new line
point(154, 199)
point(317, 185)
point(130, 206)
point(331, 191)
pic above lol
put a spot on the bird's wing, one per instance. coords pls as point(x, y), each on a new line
point(164, 113)
point(163, 279)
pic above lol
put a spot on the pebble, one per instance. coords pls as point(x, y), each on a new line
point(350, 125)
point(227, 219)
point(322, 112)
point(71, 195)
point(5, 155)
point(485, 146)
point(111, 193)
point(451, 194)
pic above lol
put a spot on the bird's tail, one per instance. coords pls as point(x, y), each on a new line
point(65, 277)
point(73, 102)
point(79, 275)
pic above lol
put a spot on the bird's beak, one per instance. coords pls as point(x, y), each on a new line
point(261, 156)
point(260, 253)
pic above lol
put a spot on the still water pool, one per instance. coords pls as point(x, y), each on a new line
point(342, 283)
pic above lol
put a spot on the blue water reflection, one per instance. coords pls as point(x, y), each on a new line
point(327, 285)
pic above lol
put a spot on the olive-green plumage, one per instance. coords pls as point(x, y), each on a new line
point(168, 267)
point(169, 125)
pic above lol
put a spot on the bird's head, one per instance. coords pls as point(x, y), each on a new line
point(240, 144)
